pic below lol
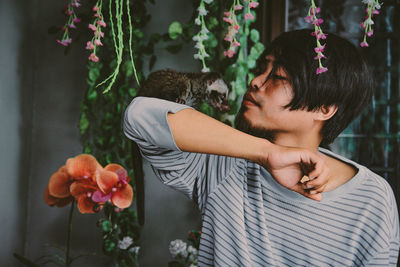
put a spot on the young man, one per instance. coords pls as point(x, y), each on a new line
point(255, 211)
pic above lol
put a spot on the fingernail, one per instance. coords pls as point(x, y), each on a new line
point(307, 186)
point(313, 192)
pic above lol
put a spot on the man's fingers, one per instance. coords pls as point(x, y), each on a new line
point(317, 197)
point(307, 193)
point(319, 181)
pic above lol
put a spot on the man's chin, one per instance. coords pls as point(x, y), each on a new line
point(244, 125)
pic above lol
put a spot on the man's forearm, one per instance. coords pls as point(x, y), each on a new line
point(194, 131)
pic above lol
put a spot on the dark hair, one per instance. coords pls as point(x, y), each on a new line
point(347, 84)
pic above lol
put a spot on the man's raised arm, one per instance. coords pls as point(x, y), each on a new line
point(194, 131)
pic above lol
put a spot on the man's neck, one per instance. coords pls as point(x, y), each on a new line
point(340, 172)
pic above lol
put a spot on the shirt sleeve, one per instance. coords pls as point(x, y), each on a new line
point(389, 255)
point(194, 174)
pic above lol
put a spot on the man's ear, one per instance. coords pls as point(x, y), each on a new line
point(325, 112)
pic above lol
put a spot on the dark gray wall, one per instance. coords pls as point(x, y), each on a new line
point(40, 94)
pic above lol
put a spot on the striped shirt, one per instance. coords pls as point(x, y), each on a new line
point(248, 219)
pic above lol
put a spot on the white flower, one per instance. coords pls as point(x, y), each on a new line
point(204, 30)
point(197, 21)
point(202, 11)
point(196, 38)
point(125, 242)
point(199, 45)
point(208, 1)
point(177, 247)
point(368, 21)
point(377, 5)
point(205, 69)
point(134, 250)
point(192, 249)
point(196, 56)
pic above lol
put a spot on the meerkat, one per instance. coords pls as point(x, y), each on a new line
point(181, 87)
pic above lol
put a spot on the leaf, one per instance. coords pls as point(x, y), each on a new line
point(174, 30)
point(254, 35)
point(230, 73)
point(132, 92)
point(256, 50)
point(174, 49)
point(94, 74)
point(207, 109)
point(211, 41)
point(92, 94)
point(152, 61)
point(83, 123)
point(251, 63)
point(250, 76)
point(212, 23)
point(127, 68)
point(138, 33)
point(240, 86)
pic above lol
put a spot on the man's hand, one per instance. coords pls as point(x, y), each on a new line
point(288, 166)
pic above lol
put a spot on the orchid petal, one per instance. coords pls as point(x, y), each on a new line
point(82, 166)
point(123, 198)
point(59, 202)
point(85, 204)
point(59, 184)
point(106, 180)
point(98, 196)
point(81, 188)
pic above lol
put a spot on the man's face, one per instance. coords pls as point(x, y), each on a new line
point(263, 113)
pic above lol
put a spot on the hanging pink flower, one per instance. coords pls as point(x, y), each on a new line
point(98, 42)
point(92, 27)
point(101, 23)
point(89, 45)
point(321, 70)
point(253, 4)
point(93, 57)
point(248, 16)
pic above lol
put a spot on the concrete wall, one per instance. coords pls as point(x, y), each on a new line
point(40, 94)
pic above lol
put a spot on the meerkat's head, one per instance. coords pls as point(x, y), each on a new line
point(217, 93)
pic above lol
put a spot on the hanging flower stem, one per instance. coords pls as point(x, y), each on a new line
point(202, 35)
point(130, 42)
point(312, 19)
point(119, 46)
point(373, 7)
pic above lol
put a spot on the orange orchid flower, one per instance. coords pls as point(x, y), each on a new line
point(113, 182)
point(57, 190)
point(84, 179)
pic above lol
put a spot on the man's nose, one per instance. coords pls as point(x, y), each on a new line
point(256, 83)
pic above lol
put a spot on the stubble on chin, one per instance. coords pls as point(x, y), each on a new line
point(244, 125)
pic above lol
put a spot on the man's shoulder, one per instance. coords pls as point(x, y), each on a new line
point(367, 177)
